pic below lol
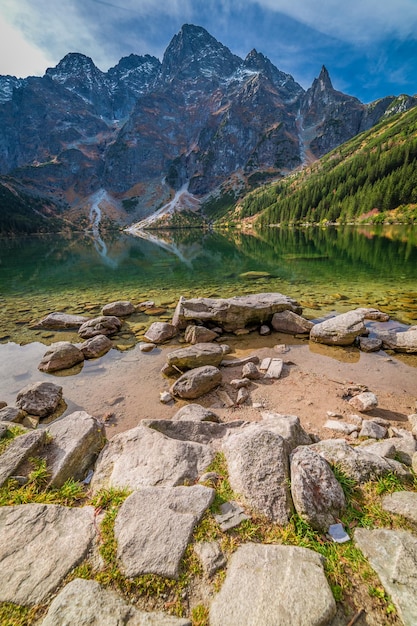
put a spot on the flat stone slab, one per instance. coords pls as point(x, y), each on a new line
point(87, 603)
point(200, 432)
point(39, 545)
point(196, 356)
point(76, 441)
point(393, 556)
point(18, 451)
point(274, 369)
point(154, 526)
point(403, 503)
point(231, 515)
point(142, 457)
point(270, 585)
point(233, 313)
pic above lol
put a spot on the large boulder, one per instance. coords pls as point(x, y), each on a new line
point(18, 451)
point(233, 313)
point(76, 441)
point(400, 342)
point(290, 323)
point(40, 399)
point(60, 321)
point(357, 462)
point(196, 356)
point(317, 495)
point(393, 556)
point(60, 356)
point(340, 330)
point(39, 545)
point(154, 526)
point(271, 585)
point(196, 382)
point(87, 603)
point(142, 457)
point(120, 308)
point(96, 346)
point(102, 325)
point(159, 332)
point(257, 460)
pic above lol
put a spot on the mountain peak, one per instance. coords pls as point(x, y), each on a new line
point(73, 63)
point(194, 51)
point(324, 78)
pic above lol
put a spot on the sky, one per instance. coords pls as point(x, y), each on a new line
point(368, 46)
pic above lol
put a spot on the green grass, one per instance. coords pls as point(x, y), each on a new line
point(11, 433)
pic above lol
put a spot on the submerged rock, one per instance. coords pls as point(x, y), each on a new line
point(61, 321)
point(103, 325)
point(120, 308)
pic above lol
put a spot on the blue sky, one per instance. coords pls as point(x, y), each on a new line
point(368, 46)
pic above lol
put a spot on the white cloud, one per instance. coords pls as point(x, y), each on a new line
point(18, 56)
point(356, 21)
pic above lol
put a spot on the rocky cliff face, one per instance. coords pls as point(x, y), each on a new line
point(198, 117)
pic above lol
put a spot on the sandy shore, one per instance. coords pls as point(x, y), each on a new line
point(123, 387)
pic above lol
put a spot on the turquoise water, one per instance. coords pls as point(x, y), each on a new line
point(325, 269)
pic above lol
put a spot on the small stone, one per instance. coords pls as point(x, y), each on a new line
point(121, 308)
point(340, 427)
point(264, 330)
point(365, 401)
point(258, 405)
point(369, 345)
point(12, 414)
point(265, 363)
point(165, 397)
point(199, 334)
point(159, 332)
point(210, 555)
point(333, 414)
point(275, 369)
point(250, 371)
point(146, 347)
point(242, 396)
point(225, 399)
point(230, 516)
point(373, 430)
point(96, 346)
point(238, 383)
point(281, 348)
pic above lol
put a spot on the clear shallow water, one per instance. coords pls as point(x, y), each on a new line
point(325, 269)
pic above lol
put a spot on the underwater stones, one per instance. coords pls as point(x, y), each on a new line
point(120, 308)
point(102, 325)
point(60, 321)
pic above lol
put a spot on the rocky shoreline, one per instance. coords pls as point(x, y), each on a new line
point(206, 501)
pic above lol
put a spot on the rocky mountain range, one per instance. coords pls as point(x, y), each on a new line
point(201, 120)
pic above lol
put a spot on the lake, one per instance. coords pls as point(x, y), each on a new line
point(326, 269)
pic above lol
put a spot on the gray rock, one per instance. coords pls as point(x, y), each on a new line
point(142, 457)
point(249, 370)
point(373, 430)
point(86, 603)
point(233, 313)
point(18, 451)
point(159, 332)
point(270, 585)
point(291, 323)
point(200, 432)
point(373, 314)
point(60, 356)
point(199, 334)
point(274, 369)
point(210, 555)
point(121, 308)
point(257, 460)
point(382, 448)
point(165, 397)
point(146, 347)
point(76, 441)
point(39, 398)
point(317, 495)
point(12, 414)
point(357, 462)
point(196, 356)
point(239, 362)
point(393, 555)
point(238, 383)
point(400, 342)
point(340, 330)
point(195, 413)
point(264, 330)
point(405, 447)
point(231, 515)
point(367, 344)
point(61, 321)
point(102, 325)
point(365, 401)
point(242, 396)
point(196, 382)
point(341, 427)
point(96, 346)
point(287, 426)
point(154, 526)
point(39, 545)
point(402, 503)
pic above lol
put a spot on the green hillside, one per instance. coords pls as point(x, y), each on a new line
point(372, 177)
point(23, 214)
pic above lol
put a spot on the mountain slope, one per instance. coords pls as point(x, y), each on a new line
point(373, 176)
